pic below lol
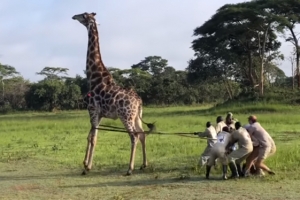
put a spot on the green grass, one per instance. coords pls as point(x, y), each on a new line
point(41, 157)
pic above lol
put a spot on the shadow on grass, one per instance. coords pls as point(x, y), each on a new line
point(149, 178)
point(107, 172)
point(146, 182)
point(46, 175)
point(121, 170)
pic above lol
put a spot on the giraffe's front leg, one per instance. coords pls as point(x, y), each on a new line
point(88, 159)
point(87, 152)
point(92, 149)
point(92, 140)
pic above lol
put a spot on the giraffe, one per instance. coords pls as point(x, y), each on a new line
point(108, 100)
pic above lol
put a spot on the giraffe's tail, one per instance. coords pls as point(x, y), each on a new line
point(151, 126)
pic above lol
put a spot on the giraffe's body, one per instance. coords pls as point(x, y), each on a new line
point(114, 102)
point(108, 100)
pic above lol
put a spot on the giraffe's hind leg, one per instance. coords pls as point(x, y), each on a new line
point(142, 135)
point(134, 141)
point(142, 138)
point(129, 125)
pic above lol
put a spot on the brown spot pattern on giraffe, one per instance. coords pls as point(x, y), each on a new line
point(96, 75)
point(94, 68)
point(88, 74)
point(97, 89)
point(92, 54)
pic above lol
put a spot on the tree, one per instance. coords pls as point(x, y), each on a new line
point(235, 33)
point(53, 72)
point(6, 71)
point(152, 64)
point(292, 60)
point(266, 22)
point(118, 75)
point(55, 91)
point(16, 88)
point(44, 95)
point(70, 96)
point(288, 11)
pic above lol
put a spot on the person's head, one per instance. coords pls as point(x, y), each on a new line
point(230, 114)
point(237, 125)
point(225, 128)
point(252, 119)
point(219, 119)
point(208, 124)
point(229, 117)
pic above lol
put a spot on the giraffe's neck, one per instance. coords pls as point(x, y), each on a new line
point(95, 69)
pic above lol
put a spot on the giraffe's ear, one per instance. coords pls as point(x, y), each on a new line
point(93, 13)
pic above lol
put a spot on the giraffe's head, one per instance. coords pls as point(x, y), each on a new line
point(87, 19)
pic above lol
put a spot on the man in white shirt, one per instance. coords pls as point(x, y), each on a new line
point(220, 124)
point(265, 143)
point(211, 135)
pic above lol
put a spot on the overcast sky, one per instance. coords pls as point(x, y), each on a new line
point(35, 34)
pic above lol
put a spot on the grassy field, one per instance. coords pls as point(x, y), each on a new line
point(41, 157)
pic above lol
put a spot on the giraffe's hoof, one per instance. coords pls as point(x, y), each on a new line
point(84, 172)
point(143, 166)
point(129, 172)
point(85, 164)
